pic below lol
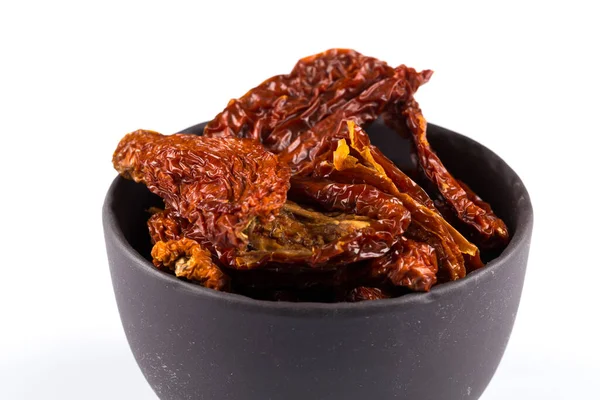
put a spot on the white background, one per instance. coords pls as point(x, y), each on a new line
point(521, 78)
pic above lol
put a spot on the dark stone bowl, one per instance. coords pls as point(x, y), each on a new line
point(196, 343)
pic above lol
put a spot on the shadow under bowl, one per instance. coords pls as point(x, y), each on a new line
point(195, 343)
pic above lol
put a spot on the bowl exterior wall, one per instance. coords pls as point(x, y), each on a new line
point(192, 343)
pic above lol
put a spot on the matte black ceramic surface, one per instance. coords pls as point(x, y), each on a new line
point(196, 343)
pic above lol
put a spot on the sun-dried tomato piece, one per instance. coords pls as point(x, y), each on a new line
point(410, 264)
point(466, 205)
point(219, 185)
point(283, 106)
point(363, 293)
point(366, 107)
point(187, 259)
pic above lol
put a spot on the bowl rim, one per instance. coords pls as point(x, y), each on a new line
point(520, 238)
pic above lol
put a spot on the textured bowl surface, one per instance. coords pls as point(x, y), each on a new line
point(196, 343)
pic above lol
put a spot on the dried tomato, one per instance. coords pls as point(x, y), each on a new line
point(285, 198)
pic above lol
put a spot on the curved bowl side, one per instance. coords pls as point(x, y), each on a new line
point(195, 343)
